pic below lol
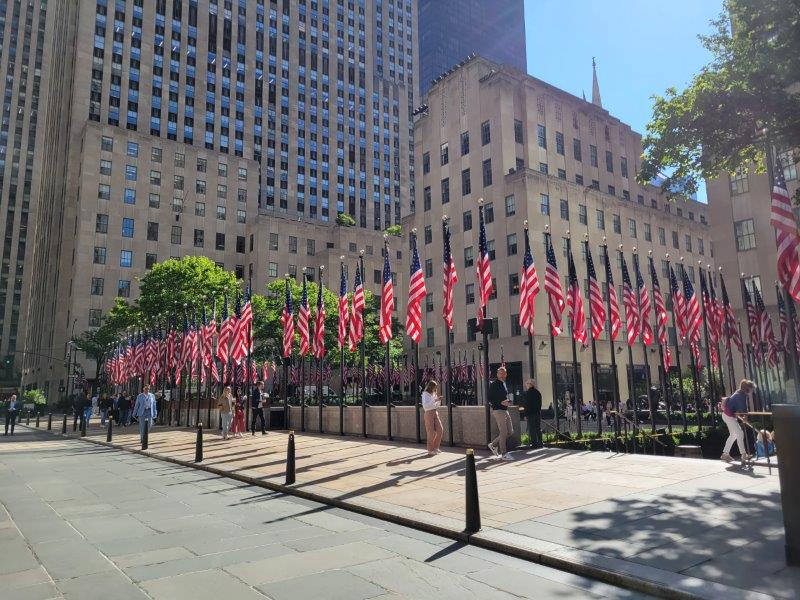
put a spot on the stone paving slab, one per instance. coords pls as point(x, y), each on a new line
point(580, 510)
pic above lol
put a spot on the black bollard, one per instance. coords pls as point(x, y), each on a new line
point(75, 423)
point(290, 460)
point(473, 507)
point(146, 433)
point(198, 446)
point(28, 419)
point(64, 426)
point(83, 427)
point(37, 420)
point(108, 433)
point(50, 422)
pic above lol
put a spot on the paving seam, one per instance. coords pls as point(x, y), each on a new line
point(575, 567)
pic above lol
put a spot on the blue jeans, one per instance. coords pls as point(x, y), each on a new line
point(87, 414)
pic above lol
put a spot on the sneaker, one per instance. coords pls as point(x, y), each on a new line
point(507, 456)
point(493, 449)
point(726, 457)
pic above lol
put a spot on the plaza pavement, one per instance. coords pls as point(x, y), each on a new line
point(83, 522)
point(672, 526)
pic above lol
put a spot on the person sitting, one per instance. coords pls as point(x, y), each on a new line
point(765, 444)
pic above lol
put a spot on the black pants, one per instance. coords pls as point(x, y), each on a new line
point(535, 430)
point(11, 419)
point(258, 412)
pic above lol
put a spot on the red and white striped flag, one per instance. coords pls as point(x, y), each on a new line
point(528, 289)
point(709, 310)
point(693, 315)
point(783, 319)
point(318, 343)
point(577, 315)
point(631, 304)
point(787, 238)
point(678, 305)
point(661, 316)
point(303, 321)
point(287, 320)
point(596, 306)
point(730, 329)
point(613, 302)
point(416, 294)
point(449, 278)
point(645, 328)
point(387, 300)
point(752, 323)
point(483, 270)
point(241, 345)
point(357, 311)
point(224, 338)
point(344, 309)
point(552, 285)
point(765, 327)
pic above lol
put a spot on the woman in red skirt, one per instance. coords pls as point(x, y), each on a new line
point(238, 426)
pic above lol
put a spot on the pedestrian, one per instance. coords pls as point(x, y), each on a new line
point(498, 399)
point(123, 410)
point(257, 403)
point(95, 403)
point(105, 405)
point(225, 406)
point(12, 410)
point(86, 406)
point(433, 424)
point(239, 424)
point(532, 408)
point(569, 407)
point(145, 410)
point(735, 404)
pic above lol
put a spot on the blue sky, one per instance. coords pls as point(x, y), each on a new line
point(642, 47)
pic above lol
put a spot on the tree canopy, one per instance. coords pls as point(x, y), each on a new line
point(746, 97)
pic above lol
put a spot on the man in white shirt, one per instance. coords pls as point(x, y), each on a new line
point(145, 409)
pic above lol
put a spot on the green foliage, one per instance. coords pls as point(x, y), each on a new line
point(751, 86)
point(195, 281)
point(95, 343)
point(35, 397)
point(345, 220)
point(396, 230)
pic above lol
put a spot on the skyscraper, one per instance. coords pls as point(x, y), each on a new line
point(234, 129)
point(451, 30)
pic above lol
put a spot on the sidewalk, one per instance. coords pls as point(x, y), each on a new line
point(672, 526)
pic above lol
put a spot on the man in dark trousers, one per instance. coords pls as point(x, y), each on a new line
point(257, 404)
point(12, 410)
point(498, 399)
point(532, 406)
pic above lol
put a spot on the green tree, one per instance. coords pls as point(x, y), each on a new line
point(345, 220)
point(748, 93)
point(195, 281)
point(35, 397)
point(96, 343)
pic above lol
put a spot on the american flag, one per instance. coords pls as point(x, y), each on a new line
point(796, 323)
point(787, 238)
point(318, 343)
point(416, 294)
point(357, 311)
point(303, 320)
point(577, 316)
point(387, 300)
point(344, 309)
point(718, 321)
point(731, 330)
point(784, 320)
point(197, 339)
point(613, 301)
point(752, 322)
point(693, 317)
point(661, 316)
point(449, 277)
point(678, 304)
point(528, 289)
point(596, 306)
point(709, 311)
point(631, 305)
point(186, 349)
point(171, 345)
point(483, 270)
point(224, 339)
point(765, 327)
point(241, 342)
point(287, 320)
point(645, 328)
point(552, 285)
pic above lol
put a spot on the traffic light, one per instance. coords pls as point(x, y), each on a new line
point(8, 361)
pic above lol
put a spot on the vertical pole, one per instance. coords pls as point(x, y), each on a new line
point(320, 367)
point(612, 350)
point(553, 370)
point(302, 392)
point(632, 396)
point(285, 382)
point(362, 370)
point(387, 388)
point(448, 389)
point(342, 391)
point(712, 387)
point(595, 377)
point(486, 374)
point(575, 370)
point(648, 376)
point(416, 392)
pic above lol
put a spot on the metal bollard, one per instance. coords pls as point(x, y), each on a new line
point(146, 434)
point(787, 420)
point(108, 433)
point(28, 419)
point(473, 507)
point(75, 423)
point(290, 476)
point(37, 420)
point(50, 422)
point(83, 427)
point(64, 426)
point(198, 446)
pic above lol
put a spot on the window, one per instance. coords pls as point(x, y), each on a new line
point(129, 196)
point(199, 238)
point(576, 149)
point(632, 228)
point(175, 234)
point(154, 200)
point(740, 183)
point(133, 149)
point(428, 234)
point(516, 329)
point(541, 136)
point(752, 283)
point(101, 223)
point(465, 143)
point(292, 244)
point(428, 270)
point(105, 167)
point(242, 174)
point(513, 284)
point(564, 210)
point(701, 248)
point(543, 168)
point(152, 231)
point(487, 172)
point(240, 244)
point(201, 165)
point(444, 154)
point(467, 220)
point(222, 191)
point(518, 131)
point(687, 241)
point(95, 315)
point(593, 155)
point(220, 241)
point(104, 191)
point(130, 172)
point(583, 218)
point(511, 244)
point(617, 224)
point(559, 143)
point(429, 337)
point(127, 227)
point(155, 155)
point(155, 177)
point(200, 209)
point(745, 234)
point(310, 247)
point(469, 293)
point(445, 190)
point(177, 205)
point(675, 243)
point(107, 144)
point(544, 204)
point(466, 184)
point(150, 260)
point(200, 187)
point(428, 303)
point(486, 133)
point(511, 206)
point(623, 167)
point(426, 198)
point(99, 255)
point(562, 174)
point(469, 257)
point(601, 219)
point(221, 213)
point(125, 258)
point(222, 170)
point(426, 163)
point(662, 236)
point(292, 271)
point(273, 241)
point(490, 249)
point(124, 288)
point(272, 270)
point(612, 191)
point(488, 212)
point(97, 286)
point(626, 195)
point(648, 233)
point(787, 161)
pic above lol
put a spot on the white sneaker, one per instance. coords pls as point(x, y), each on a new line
point(493, 449)
point(726, 457)
point(507, 456)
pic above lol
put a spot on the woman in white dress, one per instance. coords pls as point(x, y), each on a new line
point(433, 424)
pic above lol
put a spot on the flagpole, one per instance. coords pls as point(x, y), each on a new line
point(199, 341)
point(595, 391)
point(612, 349)
point(728, 345)
point(648, 375)
point(448, 391)
point(485, 341)
point(711, 384)
point(249, 342)
point(362, 351)
point(631, 388)
point(698, 409)
point(531, 359)
point(575, 371)
point(665, 391)
point(720, 372)
point(553, 380)
point(755, 372)
point(342, 355)
point(322, 358)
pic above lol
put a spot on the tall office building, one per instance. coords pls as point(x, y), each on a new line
point(234, 129)
point(451, 30)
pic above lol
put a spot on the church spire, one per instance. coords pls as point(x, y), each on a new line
point(595, 86)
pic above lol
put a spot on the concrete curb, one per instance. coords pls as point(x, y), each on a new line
point(678, 589)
